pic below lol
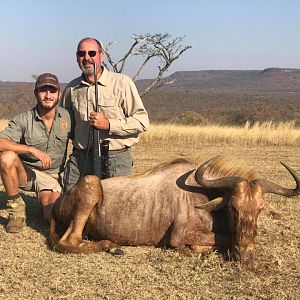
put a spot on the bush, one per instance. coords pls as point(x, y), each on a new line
point(190, 118)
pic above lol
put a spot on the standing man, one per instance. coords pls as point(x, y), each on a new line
point(32, 152)
point(120, 119)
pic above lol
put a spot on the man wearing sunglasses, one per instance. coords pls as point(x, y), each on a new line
point(32, 152)
point(120, 118)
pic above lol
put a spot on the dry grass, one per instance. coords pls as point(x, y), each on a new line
point(29, 270)
point(266, 133)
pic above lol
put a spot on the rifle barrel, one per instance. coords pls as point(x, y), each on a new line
point(96, 134)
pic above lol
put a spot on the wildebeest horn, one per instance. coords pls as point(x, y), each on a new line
point(212, 205)
point(271, 187)
point(225, 182)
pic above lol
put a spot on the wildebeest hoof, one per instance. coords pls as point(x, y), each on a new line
point(116, 251)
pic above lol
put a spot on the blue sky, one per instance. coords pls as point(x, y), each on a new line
point(41, 36)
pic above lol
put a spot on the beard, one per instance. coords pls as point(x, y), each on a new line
point(47, 106)
point(87, 70)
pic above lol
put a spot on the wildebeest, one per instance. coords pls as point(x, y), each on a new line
point(174, 205)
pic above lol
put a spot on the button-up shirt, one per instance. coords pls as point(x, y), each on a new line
point(28, 128)
point(118, 100)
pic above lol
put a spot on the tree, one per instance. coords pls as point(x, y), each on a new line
point(149, 46)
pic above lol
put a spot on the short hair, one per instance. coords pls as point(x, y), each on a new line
point(91, 39)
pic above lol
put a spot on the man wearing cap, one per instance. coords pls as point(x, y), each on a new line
point(32, 152)
point(119, 118)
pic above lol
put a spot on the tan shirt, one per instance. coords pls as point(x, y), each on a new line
point(28, 128)
point(118, 100)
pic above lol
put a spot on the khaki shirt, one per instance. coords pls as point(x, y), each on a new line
point(28, 128)
point(118, 100)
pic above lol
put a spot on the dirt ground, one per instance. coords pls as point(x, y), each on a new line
point(30, 270)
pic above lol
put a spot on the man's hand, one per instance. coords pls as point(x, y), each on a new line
point(41, 156)
point(99, 121)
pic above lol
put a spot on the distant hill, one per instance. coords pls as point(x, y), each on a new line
point(227, 97)
point(268, 80)
point(224, 96)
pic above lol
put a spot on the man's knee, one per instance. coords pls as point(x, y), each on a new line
point(48, 197)
point(47, 200)
point(8, 159)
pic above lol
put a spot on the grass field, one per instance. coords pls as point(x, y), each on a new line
point(30, 270)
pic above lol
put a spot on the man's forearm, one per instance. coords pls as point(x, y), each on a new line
point(137, 123)
point(8, 145)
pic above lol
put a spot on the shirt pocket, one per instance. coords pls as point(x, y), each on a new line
point(37, 142)
point(40, 143)
point(79, 103)
point(111, 108)
point(59, 146)
point(61, 140)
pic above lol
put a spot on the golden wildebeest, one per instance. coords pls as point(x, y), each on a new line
point(173, 205)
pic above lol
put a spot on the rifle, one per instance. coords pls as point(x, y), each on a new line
point(100, 160)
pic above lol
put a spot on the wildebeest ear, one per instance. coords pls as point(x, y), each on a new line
point(272, 211)
point(213, 204)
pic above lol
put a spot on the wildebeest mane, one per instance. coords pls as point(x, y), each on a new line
point(163, 166)
point(220, 168)
point(225, 168)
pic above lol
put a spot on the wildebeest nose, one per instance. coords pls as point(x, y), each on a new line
point(242, 255)
point(246, 256)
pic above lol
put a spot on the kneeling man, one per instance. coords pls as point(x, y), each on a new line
point(32, 152)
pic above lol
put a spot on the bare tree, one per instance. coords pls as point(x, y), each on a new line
point(149, 46)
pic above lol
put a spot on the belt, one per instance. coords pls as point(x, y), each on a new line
point(113, 151)
point(120, 150)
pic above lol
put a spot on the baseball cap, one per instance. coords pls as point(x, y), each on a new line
point(47, 79)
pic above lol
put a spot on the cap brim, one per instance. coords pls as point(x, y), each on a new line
point(47, 84)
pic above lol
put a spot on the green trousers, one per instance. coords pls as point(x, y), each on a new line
point(119, 164)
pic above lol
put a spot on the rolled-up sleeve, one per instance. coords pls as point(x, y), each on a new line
point(136, 118)
point(13, 131)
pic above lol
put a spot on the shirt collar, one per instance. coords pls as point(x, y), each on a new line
point(38, 117)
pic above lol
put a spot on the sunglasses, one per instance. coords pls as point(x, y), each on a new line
point(82, 53)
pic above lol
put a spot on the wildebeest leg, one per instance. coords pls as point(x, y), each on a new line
point(88, 193)
point(54, 236)
point(191, 237)
point(71, 241)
